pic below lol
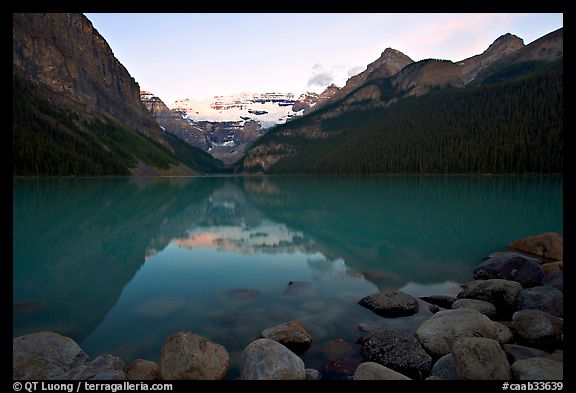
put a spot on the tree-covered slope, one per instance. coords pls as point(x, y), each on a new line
point(512, 126)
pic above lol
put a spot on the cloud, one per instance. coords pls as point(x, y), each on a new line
point(323, 79)
point(354, 71)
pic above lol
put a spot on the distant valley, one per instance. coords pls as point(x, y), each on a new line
point(78, 111)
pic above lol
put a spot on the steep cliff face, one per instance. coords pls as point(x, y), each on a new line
point(423, 76)
point(173, 122)
point(66, 54)
point(501, 47)
point(77, 110)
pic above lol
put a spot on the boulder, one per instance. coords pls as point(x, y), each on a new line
point(390, 303)
point(557, 356)
point(103, 368)
point(438, 334)
point(291, 334)
point(518, 352)
point(480, 358)
point(266, 359)
point(142, 370)
point(313, 375)
point(443, 301)
point(502, 294)
point(370, 371)
point(481, 306)
point(555, 280)
point(44, 355)
point(547, 245)
point(550, 267)
point(505, 335)
point(538, 329)
point(524, 270)
point(537, 369)
point(186, 355)
point(50, 356)
point(445, 368)
point(545, 298)
point(398, 350)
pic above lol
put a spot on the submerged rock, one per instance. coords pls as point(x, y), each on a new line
point(291, 334)
point(186, 355)
point(298, 289)
point(398, 350)
point(509, 266)
point(480, 358)
point(370, 371)
point(337, 349)
point(390, 303)
point(537, 369)
point(244, 294)
point(538, 329)
point(544, 298)
point(268, 359)
point(549, 245)
point(482, 306)
point(438, 334)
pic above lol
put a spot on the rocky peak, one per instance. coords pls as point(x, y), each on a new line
point(502, 46)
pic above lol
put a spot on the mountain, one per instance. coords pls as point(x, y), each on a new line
point(173, 122)
point(309, 99)
point(500, 48)
point(400, 116)
point(77, 110)
point(268, 109)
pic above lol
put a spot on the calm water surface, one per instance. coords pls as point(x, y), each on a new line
point(118, 264)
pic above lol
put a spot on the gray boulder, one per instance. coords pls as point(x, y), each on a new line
point(502, 294)
point(554, 279)
point(390, 303)
point(186, 355)
point(482, 306)
point(313, 375)
point(443, 301)
point(537, 369)
point(510, 266)
point(505, 335)
point(480, 358)
point(370, 371)
point(266, 359)
point(538, 329)
point(438, 334)
point(445, 368)
point(519, 352)
point(51, 356)
point(398, 350)
point(547, 299)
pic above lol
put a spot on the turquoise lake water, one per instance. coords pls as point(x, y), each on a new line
point(119, 264)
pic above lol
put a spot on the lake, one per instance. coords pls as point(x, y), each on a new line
point(118, 264)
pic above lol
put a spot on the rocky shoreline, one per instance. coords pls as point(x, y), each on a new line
point(507, 324)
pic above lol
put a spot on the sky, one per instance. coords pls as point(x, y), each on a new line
point(199, 56)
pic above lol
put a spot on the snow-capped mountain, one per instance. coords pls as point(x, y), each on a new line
point(267, 109)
